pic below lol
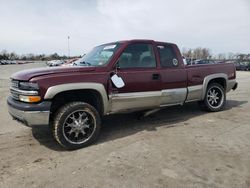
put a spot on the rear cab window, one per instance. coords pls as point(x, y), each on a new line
point(168, 57)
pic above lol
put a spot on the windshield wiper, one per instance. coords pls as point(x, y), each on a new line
point(85, 62)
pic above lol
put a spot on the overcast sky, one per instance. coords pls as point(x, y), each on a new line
point(42, 26)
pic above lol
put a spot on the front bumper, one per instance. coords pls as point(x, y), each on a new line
point(232, 84)
point(29, 114)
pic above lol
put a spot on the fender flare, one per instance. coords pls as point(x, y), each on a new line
point(54, 90)
point(210, 77)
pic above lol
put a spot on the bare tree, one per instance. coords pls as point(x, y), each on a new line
point(13, 56)
point(221, 56)
point(4, 54)
point(201, 53)
point(230, 55)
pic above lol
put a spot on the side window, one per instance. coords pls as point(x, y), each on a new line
point(167, 56)
point(137, 56)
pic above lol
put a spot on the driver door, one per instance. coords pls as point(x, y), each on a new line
point(137, 68)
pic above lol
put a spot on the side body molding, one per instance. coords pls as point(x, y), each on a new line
point(208, 78)
point(52, 91)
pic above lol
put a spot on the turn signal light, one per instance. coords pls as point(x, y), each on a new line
point(29, 98)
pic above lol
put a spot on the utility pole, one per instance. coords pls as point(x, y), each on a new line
point(68, 47)
point(192, 54)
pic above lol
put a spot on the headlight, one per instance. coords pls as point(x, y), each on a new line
point(28, 86)
point(25, 91)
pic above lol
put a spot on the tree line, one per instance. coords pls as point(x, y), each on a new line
point(205, 53)
point(196, 53)
point(5, 55)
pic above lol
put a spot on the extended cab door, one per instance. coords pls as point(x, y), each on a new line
point(137, 66)
point(173, 74)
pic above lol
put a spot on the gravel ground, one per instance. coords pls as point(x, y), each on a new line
point(176, 147)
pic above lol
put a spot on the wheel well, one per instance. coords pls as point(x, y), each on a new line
point(89, 96)
point(220, 81)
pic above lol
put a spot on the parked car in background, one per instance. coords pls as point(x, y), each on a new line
point(184, 60)
point(21, 62)
point(221, 62)
point(237, 65)
point(54, 63)
point(3, 62)
point(69, 62)
point(7, 62)
point(203, 61)
point(245, 66)
point(12, 62)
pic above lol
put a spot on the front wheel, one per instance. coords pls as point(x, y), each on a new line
point(76, 125)
point(214, 99)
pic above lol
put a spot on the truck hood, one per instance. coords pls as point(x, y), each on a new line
point(26, 75)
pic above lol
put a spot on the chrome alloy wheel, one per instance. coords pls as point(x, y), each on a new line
point(215, 97)
point(79, 126)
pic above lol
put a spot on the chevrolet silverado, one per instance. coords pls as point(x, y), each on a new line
point(117, 77)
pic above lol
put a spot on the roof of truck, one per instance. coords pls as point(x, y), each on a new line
point(137, 40)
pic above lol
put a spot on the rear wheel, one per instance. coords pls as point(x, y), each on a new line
point(214, 99)
point(76, 125)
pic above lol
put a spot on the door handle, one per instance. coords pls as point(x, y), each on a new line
point(156, 77)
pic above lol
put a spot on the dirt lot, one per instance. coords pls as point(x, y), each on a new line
point(176, 147)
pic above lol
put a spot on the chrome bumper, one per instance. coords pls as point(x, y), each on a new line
point(29, 114)
point(30, 118)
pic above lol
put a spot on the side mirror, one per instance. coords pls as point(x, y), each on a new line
point(117, 66)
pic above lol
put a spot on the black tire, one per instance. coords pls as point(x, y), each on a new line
point(215, 98)
point(76, 125)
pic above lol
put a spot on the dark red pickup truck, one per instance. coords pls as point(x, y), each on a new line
point(117, 77)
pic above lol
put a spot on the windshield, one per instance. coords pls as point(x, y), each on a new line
point(98, 56)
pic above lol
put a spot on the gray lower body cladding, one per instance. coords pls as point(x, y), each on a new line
point(29, 114)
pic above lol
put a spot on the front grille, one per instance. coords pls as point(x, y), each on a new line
point(14, 94)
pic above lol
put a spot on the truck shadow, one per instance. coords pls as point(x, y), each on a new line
point(122, 125)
